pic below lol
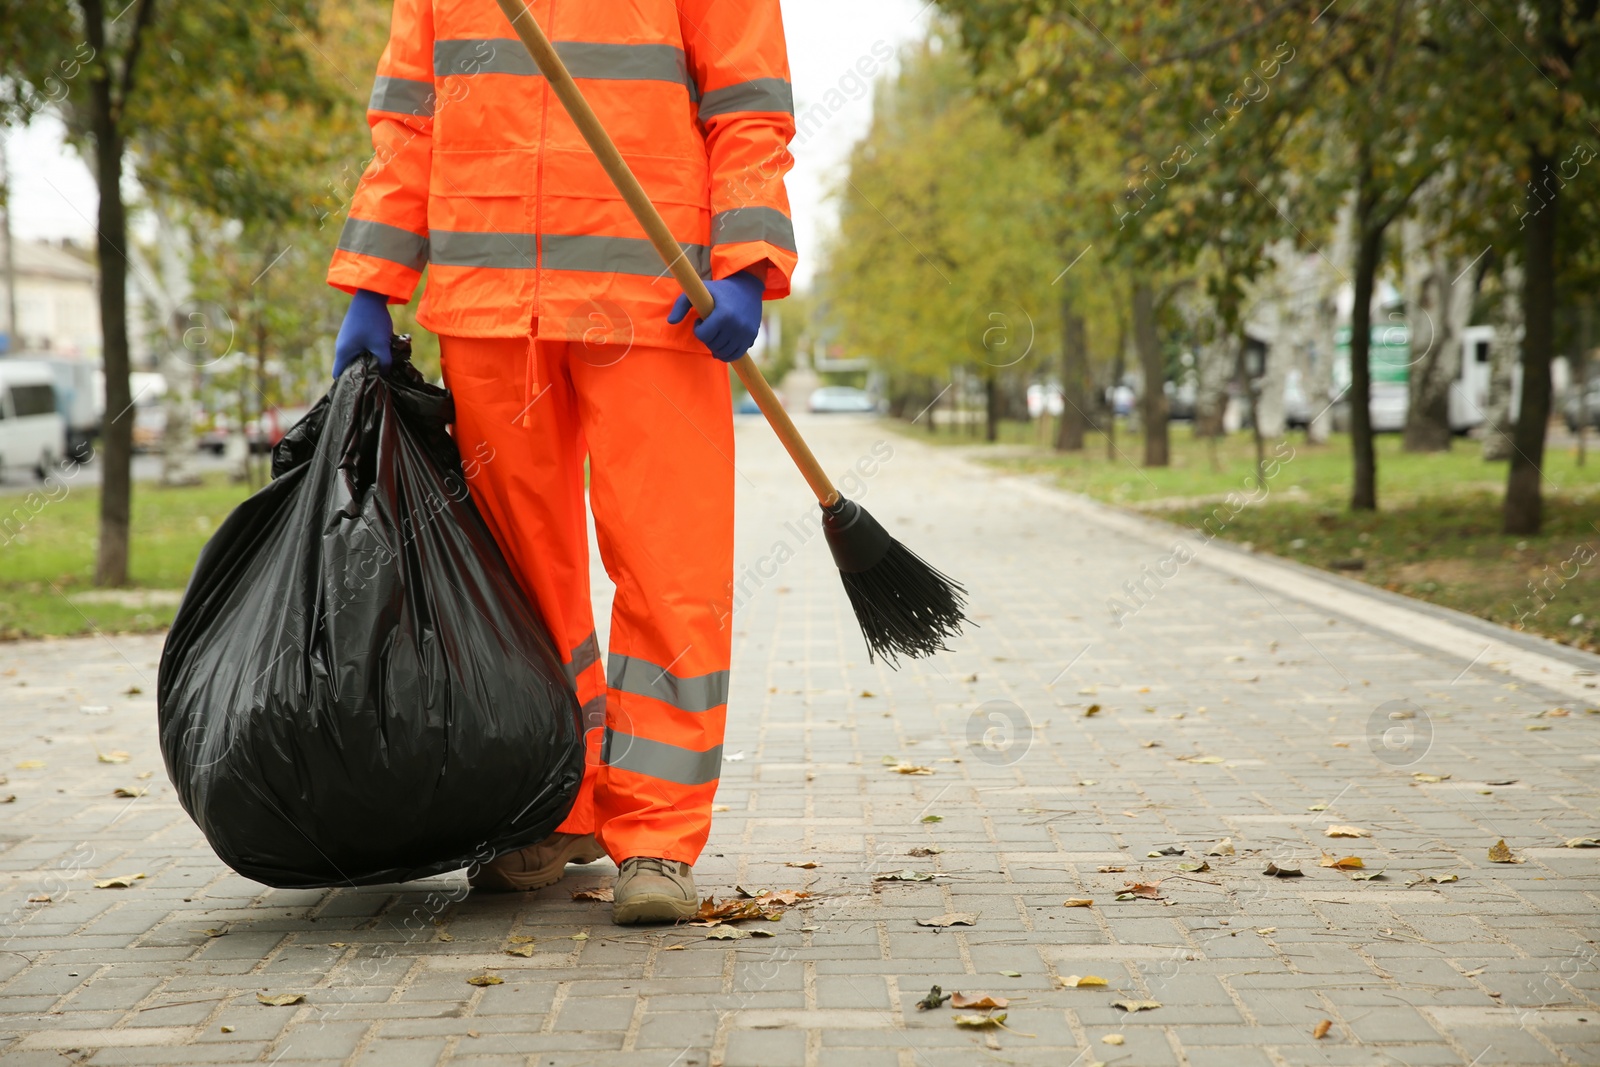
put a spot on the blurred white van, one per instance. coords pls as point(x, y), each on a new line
point(32, 431)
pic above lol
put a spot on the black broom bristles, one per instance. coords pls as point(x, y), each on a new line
point(905, 607)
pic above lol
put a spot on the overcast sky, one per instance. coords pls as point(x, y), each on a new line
point(55, 197)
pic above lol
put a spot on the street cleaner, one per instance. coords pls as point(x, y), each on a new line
point(564, 340)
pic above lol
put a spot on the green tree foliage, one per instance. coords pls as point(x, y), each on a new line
point(211, 103)
point(954, 236)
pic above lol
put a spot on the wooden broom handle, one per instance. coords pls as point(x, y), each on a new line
point(583, 116)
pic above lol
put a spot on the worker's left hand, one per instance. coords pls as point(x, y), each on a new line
point(732, 327)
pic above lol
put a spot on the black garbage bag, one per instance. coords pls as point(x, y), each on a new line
point(355, 689)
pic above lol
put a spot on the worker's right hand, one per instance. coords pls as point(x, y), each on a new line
point(367, 328)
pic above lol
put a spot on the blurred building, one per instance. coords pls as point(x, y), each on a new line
point(57, 301)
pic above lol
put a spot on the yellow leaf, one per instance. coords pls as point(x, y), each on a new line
point(486, 979)
point(280, 1000)
point(1078, 902)
point(1087, 981)
point(1500, 852)
point(1345, 831)
point(117, 756)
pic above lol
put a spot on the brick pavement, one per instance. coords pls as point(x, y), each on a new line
point(1228, 707)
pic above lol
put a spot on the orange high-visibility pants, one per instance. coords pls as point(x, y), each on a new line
point(657, 428)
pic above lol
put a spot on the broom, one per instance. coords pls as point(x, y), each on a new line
point(904, 606)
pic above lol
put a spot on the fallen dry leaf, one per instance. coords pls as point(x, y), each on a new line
point(933, 818)
point(1111, 1039)
point(1078, 902)
point(934, 999)
point(1436, 878)
point(9, 798)
point(1141, 890)
point(280, 1000)
point(115, 756)
point(520, 939)
point(1149, 744)
point(1087, 981)
point(1365, 876)
point(1474, 972)
point(1111, 870)
point(445, 935)
point(31, 765)
point(910, 768)
point(124, 881)
point(225, 1029)
point(954, 918)
point(1320, 1031)
point(924, 851)
point(1581, 842)
point(1274, 871)
point(725, 933)
point(1091, 710)
point(128, 794)
point(216, 931)
point(1500, 852)
point(979, 1022)
point(1165, 850)
point(1199, 759)
point(808, 865)
point(39, 898)
point(979, 1001)
point(1136, 1005)
point(1194, 868)
point(1348, 863)
point(1222, 848)
point(580, 936)
point(904, 876)
point(1267, 931)
point(525, 951)
point(599, 895)
point(1430, 778)
point(486, 979)
point(1345, 831)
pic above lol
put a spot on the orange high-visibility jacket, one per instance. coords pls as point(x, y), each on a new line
point(479, 176)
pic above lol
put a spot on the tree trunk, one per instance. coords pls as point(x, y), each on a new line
point(991, 408)
point(1074, 376)
point(1369, 250)
point(1585, 338)
point(116, 481)
point(1524, 506)
point(1153, 407)
point(1437, 309)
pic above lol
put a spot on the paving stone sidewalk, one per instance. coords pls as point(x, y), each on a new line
point(1066, 756)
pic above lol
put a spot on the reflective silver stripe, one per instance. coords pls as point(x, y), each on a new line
point(594, 713)
point(585, 59)
point(761, 94)
point(379, 239)
point(466, 248)
point(575, 252)
point(497, 55)
point(643, 678)
point(625, 62)
point(403, 96)
point(615, 255)
point(660, 760)
point(586, 655)
point(753, 224)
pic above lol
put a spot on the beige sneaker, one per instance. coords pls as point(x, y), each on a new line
point(650, 890)
point(536, 866)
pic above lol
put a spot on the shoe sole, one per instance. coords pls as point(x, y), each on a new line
point(653, 908)
point(495, 881)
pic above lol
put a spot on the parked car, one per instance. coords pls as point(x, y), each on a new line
point(32, 431)
point(841, 399)
point(746, 405)
point(1593, 406)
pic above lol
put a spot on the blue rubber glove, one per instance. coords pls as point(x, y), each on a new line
point(732, 327)
point(367, 328)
